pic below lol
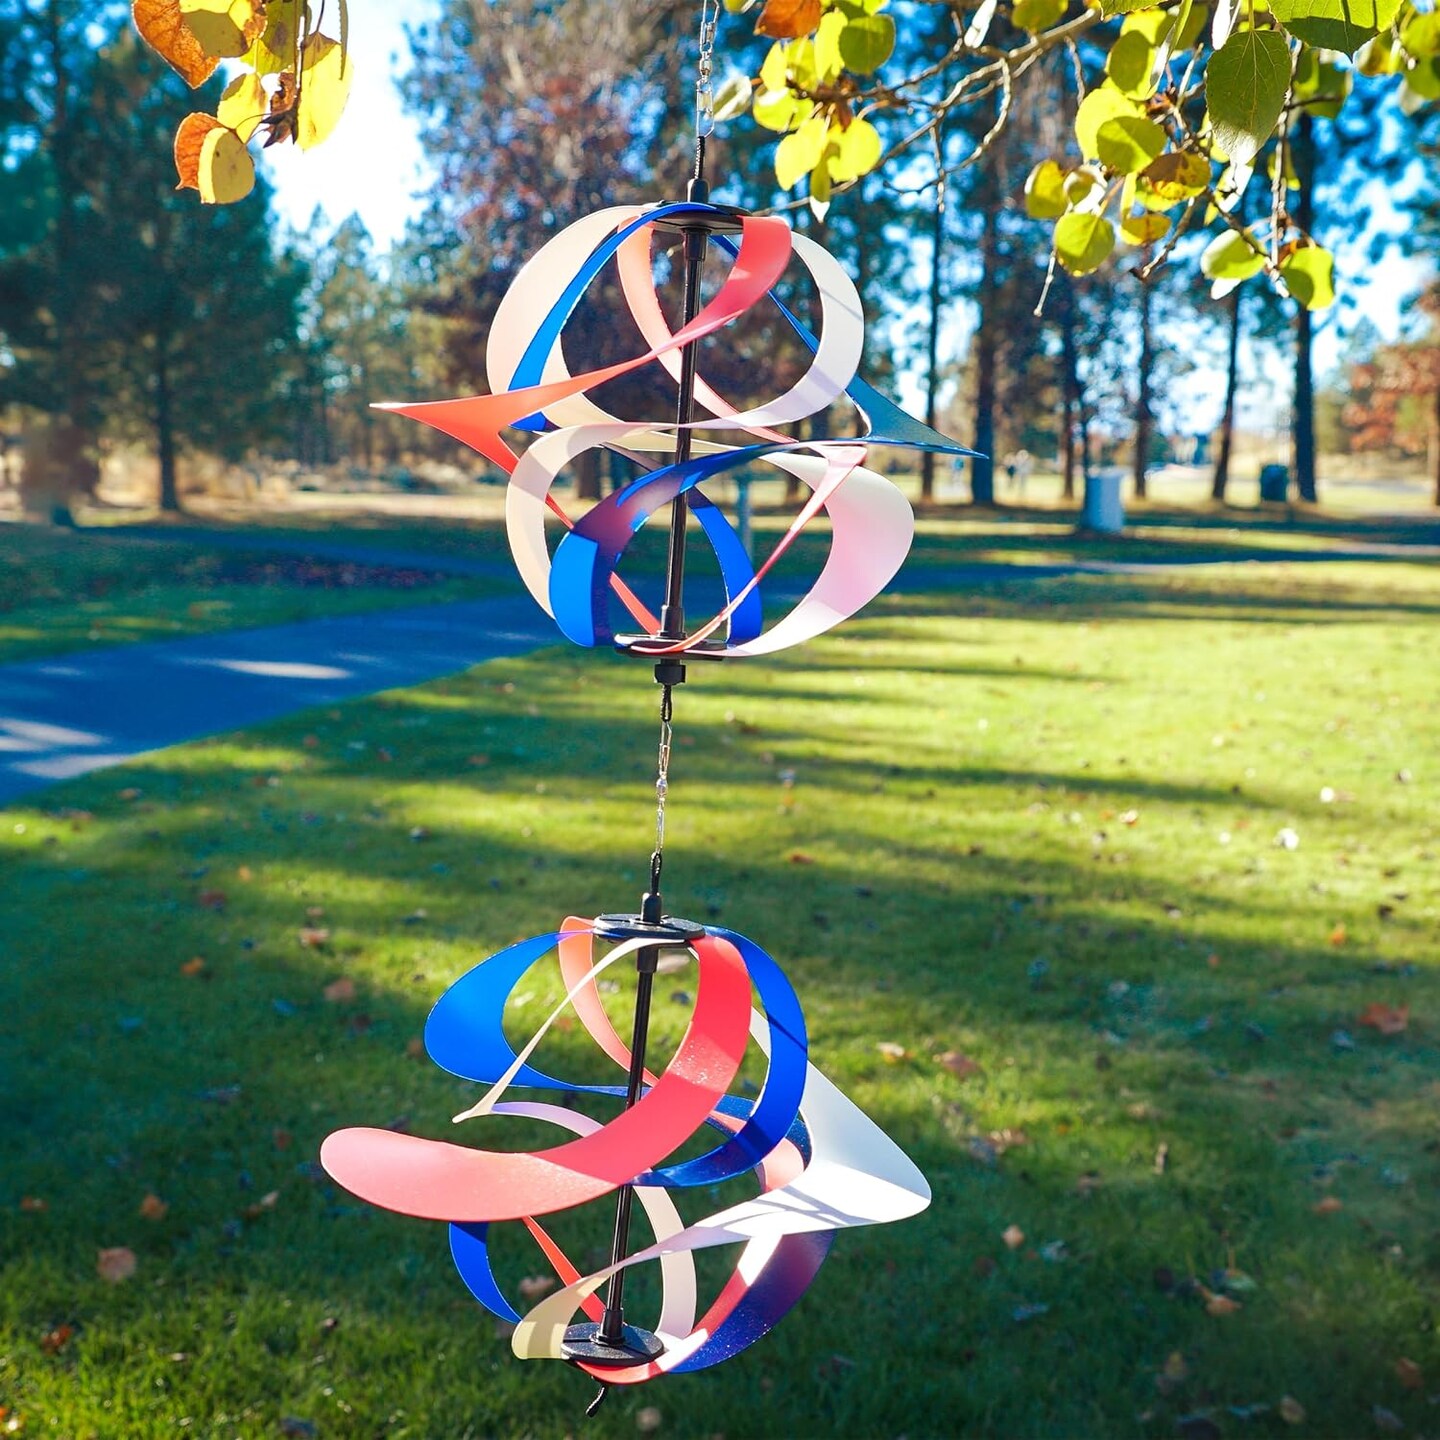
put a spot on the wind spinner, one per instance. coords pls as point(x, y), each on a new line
point(818, 1163)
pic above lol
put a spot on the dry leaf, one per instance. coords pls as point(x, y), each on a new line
point(1175, 1367)
point(1328, 1206)
point(1013, 1236)
point(130, 792)
point(1292, 1412)
point(54, 1341)
point(891, 1051)
point(1088, 1183)
point(163, 28)
point(338, 991)
point(1162, 1158)
point(960, 1066)
point(189, 139)
point(648, 1419)
point(1220, 1304)
point(788, 19)
point(1007, 1139)
point(115, 1264)
point(1387, 1019)
point(280, 1139)
point(1409, 1374)
point(799, 857)
point(1339, 935)
point(244, 873)
point(212, 899)
point(532, 1287)
point(152, 1207)
point(312, 936)
point(415, 1048)
point(1129, 817)
point(193, 967)
point(33, 1204)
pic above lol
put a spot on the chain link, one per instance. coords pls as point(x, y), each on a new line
point(705, 73)
point(662, 790)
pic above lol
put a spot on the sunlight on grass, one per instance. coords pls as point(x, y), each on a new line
point(1119, 865)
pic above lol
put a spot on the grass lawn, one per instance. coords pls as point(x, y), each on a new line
point(1149, 852)
point(72, 590)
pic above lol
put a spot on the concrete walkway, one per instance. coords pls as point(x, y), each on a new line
point(82, 711)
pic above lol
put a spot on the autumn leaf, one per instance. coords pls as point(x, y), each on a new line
point(193, 967)
point(212, 899)
point(115, 1264)
point(33, 1205)
point(1219, 1304)
point(54, 1341)
point(1328, 1206)
point(1339, 935)
point(892, 1052)
point(188, 140)
point(532, 1287)
point(226, 173)
point(1292, 1412)
point(1013, 1236)
point(243, 106)
point(224, 28)
point(162, 27)
point(152, 1207)
point(1387, 1019)
point(341, 990)
point(313, 936)
point(649, 1419)
point(324, 90)
point(960, 1066)
point(788, 19)
point(1409, 1374)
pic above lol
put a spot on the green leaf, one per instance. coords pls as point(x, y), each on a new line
point(1309, 275)
point(1421, 35)
point(852, 152)
point(1335, 24)
point(778, 109)
point(1129, 143)
point(275, 50)
point(733, 97)
point(1230, 256)
point(867, 43)
point(1320, 85)
point(1083, 242)
point(820, 190)
point(1045, 192)
point(1380, 56)
point(1100, 105)
point(1037, 15)
point(1131, 65)
point(828, 61)
point(1423, 79)
point(1246, 83)
point(800, 153)
point(1110, 8)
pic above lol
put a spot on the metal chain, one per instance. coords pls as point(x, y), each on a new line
point(662, 789)
point(704, 75)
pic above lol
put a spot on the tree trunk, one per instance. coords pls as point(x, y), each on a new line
point(1144, 418)
point(982, 466)
point(1221, 478)
point(165, 432)
point(587, 475)
point(1303, 433)
point(932, 376)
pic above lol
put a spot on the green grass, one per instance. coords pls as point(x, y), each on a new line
point(66, 590)
point(1035, 824)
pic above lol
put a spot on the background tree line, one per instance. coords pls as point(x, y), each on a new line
point(130, 313)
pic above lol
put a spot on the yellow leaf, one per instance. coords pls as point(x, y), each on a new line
point(152, 1207)
point(115, 1264)
point(1013, 1236)
point(276, 49)
point(162, 27)
point(854, 151)
point(1144, 229)
point(1292, 1412)
point(188, 140)
point(225, 28)
point(798, 154)
point(243, 104)
point(226, 171)
point(324, 88)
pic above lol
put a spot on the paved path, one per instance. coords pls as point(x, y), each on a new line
point(73, 713)
point(82, 711)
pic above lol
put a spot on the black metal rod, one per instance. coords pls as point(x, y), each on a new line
point(612, 1325)
point(672, 613)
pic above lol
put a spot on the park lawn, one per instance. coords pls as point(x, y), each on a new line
point(63, 590)
point(1041, 830)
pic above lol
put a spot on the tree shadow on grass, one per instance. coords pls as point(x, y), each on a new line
point(131, 1076)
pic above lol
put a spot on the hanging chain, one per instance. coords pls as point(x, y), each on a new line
point(704, 75)
point(662, 789)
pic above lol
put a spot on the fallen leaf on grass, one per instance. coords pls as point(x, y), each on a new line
point(1007, 1139)
point(314, 912)
point(115, 1264)
point(212, 900)
point(194, 966)
point(1409, 1374)
point(313, 936)
point(1129, 817)
point(892, 1052)
point(1013, 1236)
point(1387, 1019)
point(648, 1419)
point(266, 1202)
point(960, 1066)
point(1292, 1412)
point(131, 793)
point(1162, 1158)
point(152, 1207)
point(33, 1204)
point(1219, 1304)
point(799, 857)
point(1175, 1368)
point(280, 1139)
point(532, 1287)
point(1339, 935)
point(54, 1341)
point(1088, 1183)
point(245, 873)
point(341, 990)
point(415, 1048)
point(1328, 1206)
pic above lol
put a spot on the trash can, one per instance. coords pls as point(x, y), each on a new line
point(1274, 483)
point(1103, 510)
